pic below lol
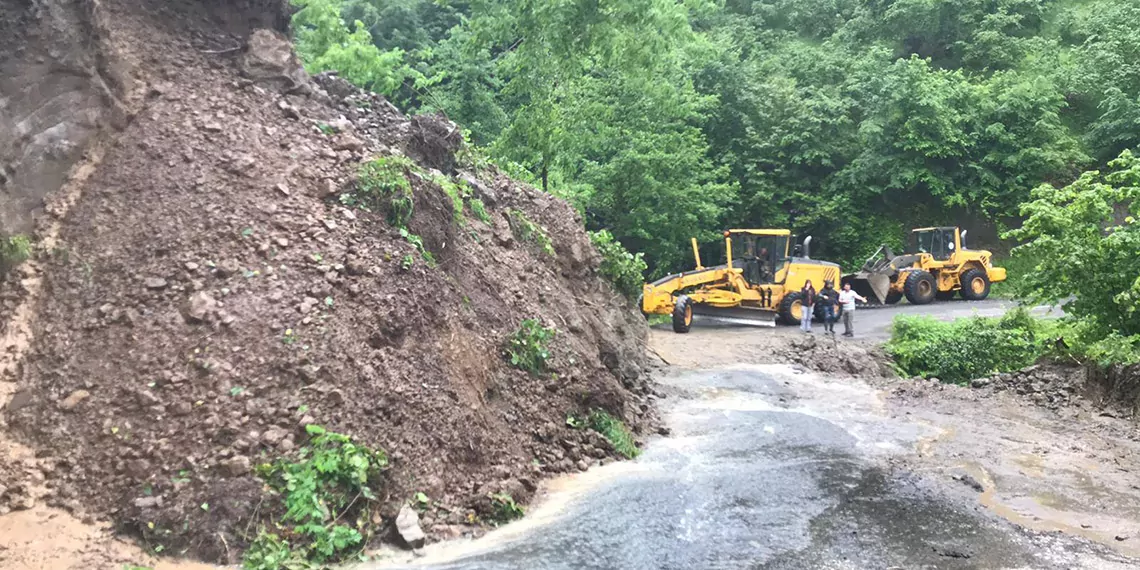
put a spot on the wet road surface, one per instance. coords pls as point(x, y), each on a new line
point(768, 467)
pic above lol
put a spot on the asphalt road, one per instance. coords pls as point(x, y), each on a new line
point(875, 322)
point(769, 468)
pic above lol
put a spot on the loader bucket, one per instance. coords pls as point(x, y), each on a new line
point(873, 286)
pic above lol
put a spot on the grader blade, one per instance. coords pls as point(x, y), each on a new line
point(739, 315)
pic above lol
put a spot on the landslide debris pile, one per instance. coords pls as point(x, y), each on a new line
point(822, 353)
point(219, 285)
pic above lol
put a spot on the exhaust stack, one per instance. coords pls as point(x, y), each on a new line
point(807, 248)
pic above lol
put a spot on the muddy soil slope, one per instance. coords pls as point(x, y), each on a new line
point(209, 293)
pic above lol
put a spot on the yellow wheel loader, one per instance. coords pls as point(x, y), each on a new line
point(759, 282)
point(937, 266)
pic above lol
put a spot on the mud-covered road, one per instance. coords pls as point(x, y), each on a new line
point(772, 466)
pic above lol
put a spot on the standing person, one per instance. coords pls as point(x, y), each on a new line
point(807, 306)
point(830, 298)
point(847, 298)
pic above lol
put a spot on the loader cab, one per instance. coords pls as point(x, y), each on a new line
point(940, 243)
point(761, 254)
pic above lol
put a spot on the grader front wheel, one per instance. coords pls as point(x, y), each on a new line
point(682, 314)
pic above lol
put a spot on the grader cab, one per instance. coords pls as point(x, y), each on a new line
point(759, 282)
point(938, 265)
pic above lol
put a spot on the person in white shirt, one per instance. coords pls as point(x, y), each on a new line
point(847, 299)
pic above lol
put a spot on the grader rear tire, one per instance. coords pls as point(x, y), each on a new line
point(975, 285)
point(682, 314)
point(919, 287)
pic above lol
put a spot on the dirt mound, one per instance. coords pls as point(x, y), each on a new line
point(822, 353)
point(211, 295)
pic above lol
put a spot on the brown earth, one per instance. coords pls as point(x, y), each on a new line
point(206, 296)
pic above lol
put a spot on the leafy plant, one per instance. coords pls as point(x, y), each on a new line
point(527, 346)
point(504, 509)
point(270, 552)
point(615, 431)
point(328, 494)
point(14, 250)
point(419, 243)
point(407, 262)
point(575, 422)
point(624, 269)
point(530, 232)
point(382, 183)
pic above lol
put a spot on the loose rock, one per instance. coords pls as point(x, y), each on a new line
point(408, 527)
point(74, 399)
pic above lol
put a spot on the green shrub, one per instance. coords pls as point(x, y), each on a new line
point(615, 432)
point(382, 183)
point(965, 349)
point(527, 348)
point(328, 495)
point(14, 250)
point(624, 269)
point(529, 232)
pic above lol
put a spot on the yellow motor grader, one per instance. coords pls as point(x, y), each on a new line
point(759, 282)
point(937, 266)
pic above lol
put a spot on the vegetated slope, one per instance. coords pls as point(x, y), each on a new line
point(211, 295)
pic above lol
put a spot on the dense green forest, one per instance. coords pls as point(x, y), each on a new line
point(851, 120)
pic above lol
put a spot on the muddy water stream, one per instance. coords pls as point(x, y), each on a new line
point(768, 468)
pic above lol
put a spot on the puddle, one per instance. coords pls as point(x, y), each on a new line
point(1045, 512)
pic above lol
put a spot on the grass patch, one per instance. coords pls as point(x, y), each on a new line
point(615, 432)
point(527, 346)
point(382, 185)
point(455, 192)
point(479, 209)
point(529, 232)
point(328, 493)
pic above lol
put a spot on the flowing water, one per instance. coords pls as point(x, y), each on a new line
point(766, 468)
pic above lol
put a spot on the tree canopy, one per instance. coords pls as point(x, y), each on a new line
point(852, 120)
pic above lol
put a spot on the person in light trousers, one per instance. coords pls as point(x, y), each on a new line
point(807, 304)
point(847, 298)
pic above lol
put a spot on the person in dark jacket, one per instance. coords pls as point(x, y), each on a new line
point(807, 304)
point(830, 299)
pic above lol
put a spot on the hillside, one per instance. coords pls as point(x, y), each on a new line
point(209, 281)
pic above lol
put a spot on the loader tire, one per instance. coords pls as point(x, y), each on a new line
point(975, 285)
point(919, 287)
point(682, 314)
point(791, 308)
point(893, 297)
